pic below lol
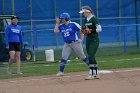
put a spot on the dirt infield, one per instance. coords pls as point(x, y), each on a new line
point(120, 81)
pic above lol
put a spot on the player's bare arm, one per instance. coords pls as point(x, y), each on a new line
point(81, 37)
point(56, 29)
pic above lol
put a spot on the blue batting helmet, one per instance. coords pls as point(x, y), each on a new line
point(65, 15)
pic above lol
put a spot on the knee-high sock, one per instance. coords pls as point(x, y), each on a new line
point(62, 65)
point(93, 66)
point(93, 69)
point(86, 60)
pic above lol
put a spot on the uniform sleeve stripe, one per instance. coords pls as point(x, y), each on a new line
point(77, 25)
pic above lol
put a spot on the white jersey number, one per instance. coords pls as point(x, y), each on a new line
point(66, 34)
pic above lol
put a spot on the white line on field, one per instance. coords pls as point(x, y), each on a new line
point(128, 59)
point(118, 60)
point(127, 70)
point(101, 72)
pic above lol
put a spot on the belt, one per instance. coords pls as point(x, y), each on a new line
point(71, 41)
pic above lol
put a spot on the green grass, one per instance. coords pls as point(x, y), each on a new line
point(102, 51)
point(46, 68)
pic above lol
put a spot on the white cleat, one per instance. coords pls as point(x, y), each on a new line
point(60, 74)
point(89, 77)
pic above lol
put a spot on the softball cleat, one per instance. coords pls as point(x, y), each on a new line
point(89, 77)
point(96, 77)
point(60, 74)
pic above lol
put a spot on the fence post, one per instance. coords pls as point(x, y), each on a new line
point(136, 17)
point(124, 50)
point(34, 41)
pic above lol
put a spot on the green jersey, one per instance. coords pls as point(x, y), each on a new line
point(92, 24)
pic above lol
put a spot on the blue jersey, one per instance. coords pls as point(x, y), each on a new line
point(69, 31)
point(13, 34)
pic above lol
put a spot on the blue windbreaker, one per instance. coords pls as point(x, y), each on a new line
point(13, 34)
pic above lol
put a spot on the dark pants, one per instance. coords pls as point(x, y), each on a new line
point(92, 44)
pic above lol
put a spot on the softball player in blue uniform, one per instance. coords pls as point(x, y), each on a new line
point(69, 32)
point(14, 43)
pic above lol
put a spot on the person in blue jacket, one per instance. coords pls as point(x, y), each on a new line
point(14, 43)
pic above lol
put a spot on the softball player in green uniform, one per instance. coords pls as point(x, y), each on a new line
point(92, 40)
